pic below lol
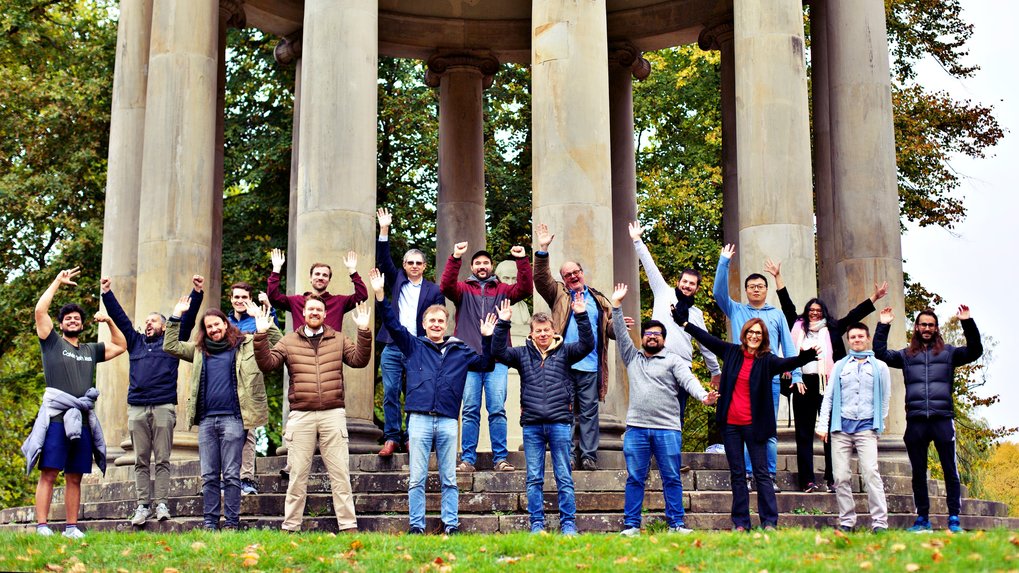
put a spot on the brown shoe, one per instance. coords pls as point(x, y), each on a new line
point(387, 449)
point(503, 466)
point(684, 469)
point(465, 467)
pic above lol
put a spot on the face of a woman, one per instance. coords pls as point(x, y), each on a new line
point(814, 312)
point(753, 337)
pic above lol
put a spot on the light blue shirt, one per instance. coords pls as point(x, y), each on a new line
point(590, 362)
point(410, 294)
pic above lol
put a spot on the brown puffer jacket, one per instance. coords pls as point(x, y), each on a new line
point(316, 373)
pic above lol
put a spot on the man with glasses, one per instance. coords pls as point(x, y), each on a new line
point(410, 295)
point(928, 371)
point(739, 313)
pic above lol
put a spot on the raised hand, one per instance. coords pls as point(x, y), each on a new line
point(377, 280)
point(518, 252)
point(635, 230)
point(505, 310)
point(350, 261)
point(543, 237)
point(385, 218)
point(728, 251)
point(104, 285)
point(263, 299)
point(262, 319)
point(579, 304)
point(963, 312)
point(102, 317)
point(278, 258)
point(487, 326)
point(772, 268)
point(361, 316)
point(886, 316)
point(459, 249)
point(198, 282)
point(618, 295)
point(879, 291)
point(66, 276)
point(182, 306)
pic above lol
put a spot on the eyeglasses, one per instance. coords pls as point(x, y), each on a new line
point(414, 263)
point(653, 334)
point(757, 287)
point(754, 333)
point(572, 274)
point(927, 325)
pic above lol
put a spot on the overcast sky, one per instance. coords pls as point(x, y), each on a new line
point(976, 263)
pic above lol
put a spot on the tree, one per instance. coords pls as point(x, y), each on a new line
point(999, 476)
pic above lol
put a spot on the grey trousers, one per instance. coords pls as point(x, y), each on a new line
point(151, 429)
point(248, 458)
point(842, 445)
point(585, 387)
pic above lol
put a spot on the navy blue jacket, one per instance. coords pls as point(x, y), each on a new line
point(929, 377)
point(395, 279)
point(153, 372)
point(546, 390)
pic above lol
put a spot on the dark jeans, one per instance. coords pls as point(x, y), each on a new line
point(918, 437)
point(735, 438)
point(392, 386)
point(805, 409)
point(220, 442)
point(585, 386)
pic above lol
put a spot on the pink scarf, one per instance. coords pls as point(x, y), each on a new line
point(825, 363)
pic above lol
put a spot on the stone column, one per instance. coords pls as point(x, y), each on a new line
point(863, 167)
point(120, 225)
point(460, 215)
point(336, 168)
point(773, 138)
point(571, 177)
point(178, 169)
point(828, 240)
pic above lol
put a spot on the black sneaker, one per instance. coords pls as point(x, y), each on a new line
point(450, 530)
point(774, 483)
point(588, 465)
point(830, 487)
point(415, 531)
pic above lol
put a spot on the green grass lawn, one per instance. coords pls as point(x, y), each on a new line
point(257, 550)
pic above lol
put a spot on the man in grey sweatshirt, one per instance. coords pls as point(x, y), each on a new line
point(653, 426)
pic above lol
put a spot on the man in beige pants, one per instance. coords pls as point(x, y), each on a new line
point(315, 354)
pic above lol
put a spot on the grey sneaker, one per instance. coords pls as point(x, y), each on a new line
point(140, 515)
point(72, 532)
point(43, 530)
point(630, 532)
point(681, 528)
point(249, 487)
point(162, 512)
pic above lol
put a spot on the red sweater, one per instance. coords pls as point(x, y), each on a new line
point(739, 408)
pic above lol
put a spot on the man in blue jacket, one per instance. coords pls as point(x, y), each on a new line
point(928, 370)
point(410, 295)
point(151, 397)
point(437, 367)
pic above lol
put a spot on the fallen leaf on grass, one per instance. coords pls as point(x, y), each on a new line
point(197, 546)
point(78, 567)
point(866, 565)
point(482, 549)
point(54, 567)
point(356, 544)
point(898, 547)
point(170, 570)
point(126, 552)
point(122, 570)
point(506, 559)
point(653, 539)
point(682, 569)
point(621, 560)
point(438, 561)
point(818, 540)
point(406, 557)
point(696, 543)
point(31, 551)
point(249, 562)
point(582, 566)
point(912, 567)
point(23, 558)
point(975, 557)
point(937, 556)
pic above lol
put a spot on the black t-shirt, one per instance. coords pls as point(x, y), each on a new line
point(68, 367)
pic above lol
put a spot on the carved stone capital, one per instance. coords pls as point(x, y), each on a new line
point(441, 63)
point(231, 13)
point(626, 55)
point(716, 33)
point(289, 49)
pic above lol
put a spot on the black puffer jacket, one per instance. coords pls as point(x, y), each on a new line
point(546, 391)
point(928, 376)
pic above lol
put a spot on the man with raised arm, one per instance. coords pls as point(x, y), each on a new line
point(410, 295)
point(590, 376)
point(678, 341)
point(66, 435)
point(476, 298)
point(653, 426)
point(151, 397)
point(928, 371)
point(315, 354)
point(437, 369)
point(739, 313)
point(321, 275)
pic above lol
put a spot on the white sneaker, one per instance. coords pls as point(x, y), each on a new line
point(140, 515)
point(162, 512)
point(43, 530)
point(73, 533)
point(630, 532)
point(680, 529)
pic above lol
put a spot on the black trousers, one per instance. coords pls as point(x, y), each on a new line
point(805, 410)
point(920, 432)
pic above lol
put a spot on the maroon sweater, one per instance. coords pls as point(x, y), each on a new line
point(336, 304)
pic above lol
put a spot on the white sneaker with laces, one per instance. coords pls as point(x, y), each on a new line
point(630, 532)
point(680, 529)
point(72, 532)
point(140, 515)
point(162, 512)
point(43, 530)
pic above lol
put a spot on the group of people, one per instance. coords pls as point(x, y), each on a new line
point(841, 397)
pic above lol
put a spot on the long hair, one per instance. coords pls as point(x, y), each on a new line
point(233, 334)
point(765, 346)
point(916, 345)
point(805, 316)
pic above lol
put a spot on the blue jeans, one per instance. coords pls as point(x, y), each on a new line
point(494, 385)
point(585, 404)
point(639, 444)
point(392, 385)
point(425, 431)
point(735, 439)
point(772, 447)
point(220, 442)
point(558, 439)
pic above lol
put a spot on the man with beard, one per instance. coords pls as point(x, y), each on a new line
point(66, 435)
point(928, 370)
point(151, 397)
point(476, 298)
point(321, 275)
point(653, 426)
point(590, 376)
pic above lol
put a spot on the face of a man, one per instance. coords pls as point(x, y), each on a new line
point(435, 325)
point(153, 325)
point(414, 266)
point(71, 325)
point(542, 334)
point(215, 328)
point(757, 292)
point(653, 340)
point(926, 328)
point(506, 277)
point(482, 267)
point(239, 299)
point(754, 336)
point(320, 277)
point(688, 284)
point(573, 276)
point(314, 314)
point(858, 340)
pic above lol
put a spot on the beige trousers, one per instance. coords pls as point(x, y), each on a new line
point(326, 429)
point(842, 445)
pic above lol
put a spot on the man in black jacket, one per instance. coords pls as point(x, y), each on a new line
point(928, 370)
point(546, 404)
